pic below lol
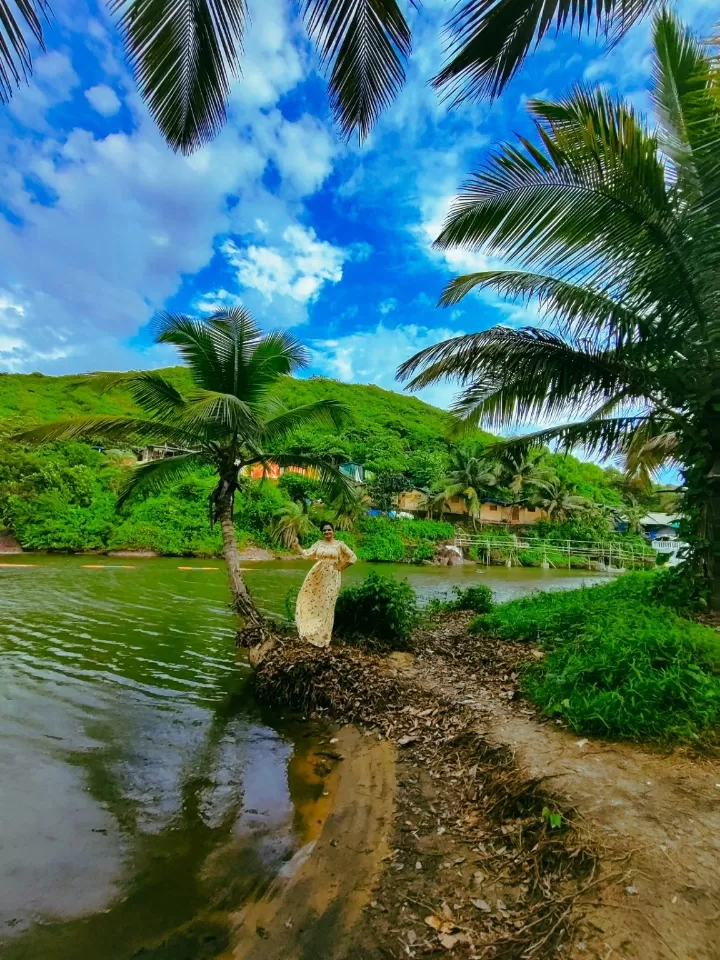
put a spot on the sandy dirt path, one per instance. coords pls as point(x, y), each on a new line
point(654, 817)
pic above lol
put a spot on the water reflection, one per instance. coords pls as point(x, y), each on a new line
point(143, 797)
point(142, 794)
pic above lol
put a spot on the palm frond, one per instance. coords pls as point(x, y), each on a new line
point(109, 428)
point(592, 202)
point(218, 415)
point(15, 57)
point(282, 421)
point(155, 395)
point(157, 474)
point(685, 95)
point(573, 308)
point(490, 39)
point(653, 446)
point(365, 42)
point(184, 54)
point(525, 375)
point(603, 437)
point(202, 344)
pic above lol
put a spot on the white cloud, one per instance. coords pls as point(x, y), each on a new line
point(102, 230)
point(295, 268)
point(373, 356)
point(387, 306)
point(103, 99)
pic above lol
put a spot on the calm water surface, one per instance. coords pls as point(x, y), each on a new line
point(142, 794)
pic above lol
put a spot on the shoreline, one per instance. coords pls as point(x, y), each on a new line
point(511, 837)
point(317, 899)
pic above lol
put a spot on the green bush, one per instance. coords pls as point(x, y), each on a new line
point(423, 552)
point(381, 541)
point(478, 598)
point(619, 663)
point(379, 612)
point(636, 672)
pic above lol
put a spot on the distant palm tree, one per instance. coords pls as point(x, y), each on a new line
point(229, 421)
point(560, 503)
point(615, 232)
point(470, 476)
point(521, 471)
point(350, 508)
point(184, 55)
point(291, 524)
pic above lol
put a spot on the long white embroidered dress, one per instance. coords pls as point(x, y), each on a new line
point(315, 607)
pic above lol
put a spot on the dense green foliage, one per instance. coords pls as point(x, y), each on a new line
point(619, 659)
point(379, 612)
point(477, 598)
point(389, 433)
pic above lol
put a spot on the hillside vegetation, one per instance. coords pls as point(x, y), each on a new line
point(63, 496)
point(384, 428)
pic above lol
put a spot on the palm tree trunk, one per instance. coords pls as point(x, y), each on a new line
point(253, 630)
point(712, 532)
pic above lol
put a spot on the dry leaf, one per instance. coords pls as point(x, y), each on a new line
point(482, 905)
point(451, 940)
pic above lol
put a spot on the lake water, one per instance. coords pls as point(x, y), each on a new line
point(143, 795)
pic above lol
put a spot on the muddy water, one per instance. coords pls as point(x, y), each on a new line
point(143, 796)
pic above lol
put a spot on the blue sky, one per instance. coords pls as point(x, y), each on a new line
point(101, 224)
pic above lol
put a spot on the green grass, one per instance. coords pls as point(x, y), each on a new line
point(618, 663)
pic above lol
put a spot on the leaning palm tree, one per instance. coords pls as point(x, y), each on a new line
point(470, 476)
point(185, 55)
point(228, 421)
point(612, 228)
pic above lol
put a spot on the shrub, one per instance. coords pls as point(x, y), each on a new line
point(379, 612)
point(637, 672)
point(423, 551)
point(385, 546)
point(619, 663)
point(478, 598)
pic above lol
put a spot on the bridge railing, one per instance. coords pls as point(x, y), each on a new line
point(609, 553)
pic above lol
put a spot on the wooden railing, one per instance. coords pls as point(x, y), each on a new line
point(607, 554)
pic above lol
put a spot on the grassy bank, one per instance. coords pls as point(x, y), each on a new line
point(620, 660)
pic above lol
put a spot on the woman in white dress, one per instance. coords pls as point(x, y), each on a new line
point(315, 607)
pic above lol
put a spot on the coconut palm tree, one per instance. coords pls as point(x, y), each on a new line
point(229, 420)
point(470, 476)
point(185, 55)
point(612, 228)
point(292, 523)
point(522, 471)
point(559, 502)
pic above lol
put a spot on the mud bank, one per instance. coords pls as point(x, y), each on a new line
point(481, 860)
point(314, 906)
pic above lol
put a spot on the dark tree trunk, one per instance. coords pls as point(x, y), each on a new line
point(253, 629)
point(713, 545)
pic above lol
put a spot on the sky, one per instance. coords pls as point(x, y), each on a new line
point(101, 225)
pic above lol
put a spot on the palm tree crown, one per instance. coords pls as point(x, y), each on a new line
point(229, 421)
point(614, 232)
point(470, 477)
point(185, 54)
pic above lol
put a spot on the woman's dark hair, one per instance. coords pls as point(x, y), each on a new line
point(326, 523)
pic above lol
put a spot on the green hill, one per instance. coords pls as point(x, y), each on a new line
point(385, 427)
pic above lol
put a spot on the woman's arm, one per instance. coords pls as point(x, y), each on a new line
point(306, 554)
point(346, 556)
